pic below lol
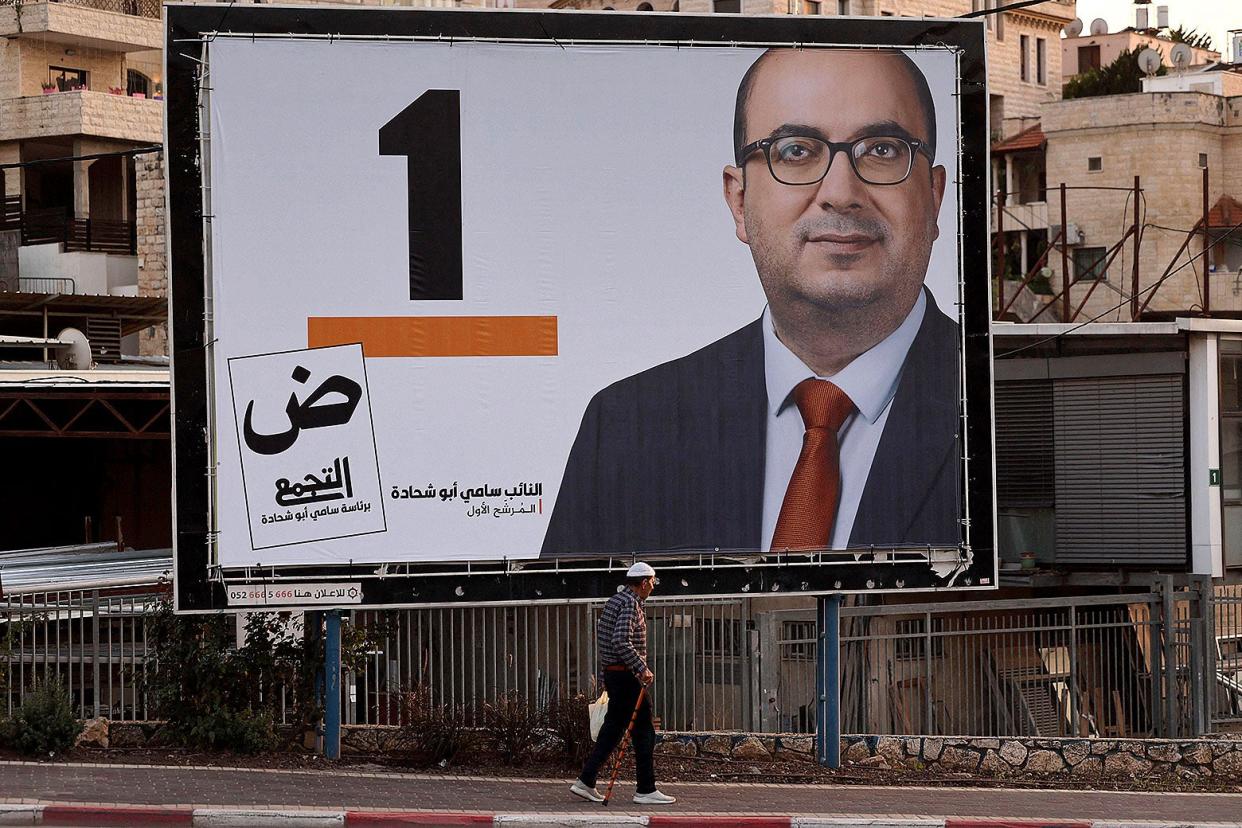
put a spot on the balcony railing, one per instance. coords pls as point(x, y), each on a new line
point(55, 225)
point(137, 8)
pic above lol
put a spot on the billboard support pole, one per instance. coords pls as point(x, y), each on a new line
point(828, 682)
point(332, 685)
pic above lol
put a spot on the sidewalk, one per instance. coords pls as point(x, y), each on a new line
point(84, 794)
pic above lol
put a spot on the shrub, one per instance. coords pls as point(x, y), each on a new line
point(512, 728)
point(435, 733)
point(217, 695)
point(44, 724)
point(569, 721)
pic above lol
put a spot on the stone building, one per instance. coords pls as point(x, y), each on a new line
point(1024, 61)
point(1088, 51)
point(77, 81)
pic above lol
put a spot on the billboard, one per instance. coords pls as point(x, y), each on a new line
point(483, 302)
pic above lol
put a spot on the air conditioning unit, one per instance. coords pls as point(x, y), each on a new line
point(1073, 234)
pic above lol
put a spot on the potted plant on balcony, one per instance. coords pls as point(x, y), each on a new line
point(115, 90)
point(48, 88)
point(159, 92)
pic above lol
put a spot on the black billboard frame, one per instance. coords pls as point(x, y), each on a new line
point(199, 587)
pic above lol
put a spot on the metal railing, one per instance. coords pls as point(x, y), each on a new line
point(1159, 663)
point(47, 284)
point(95, 645)
point(137, 8)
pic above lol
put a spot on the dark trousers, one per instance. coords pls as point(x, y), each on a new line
point(623, 690)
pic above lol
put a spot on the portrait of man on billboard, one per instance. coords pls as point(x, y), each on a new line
point(833, 420)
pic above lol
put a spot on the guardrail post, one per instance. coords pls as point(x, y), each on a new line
point(95, 649)
point(332, 685)
point(828, 682)
point(1075, 727)
point(1169, 657)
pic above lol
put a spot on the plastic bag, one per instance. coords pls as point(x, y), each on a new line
point(598, 710)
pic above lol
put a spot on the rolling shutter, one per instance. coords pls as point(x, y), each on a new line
point(1024, 445)
point(1120, 470)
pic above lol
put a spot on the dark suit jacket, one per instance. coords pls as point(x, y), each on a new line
point(673, 458)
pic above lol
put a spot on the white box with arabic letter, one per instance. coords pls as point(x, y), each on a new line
point(307, 446)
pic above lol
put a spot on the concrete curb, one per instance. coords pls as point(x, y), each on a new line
point(129, 815)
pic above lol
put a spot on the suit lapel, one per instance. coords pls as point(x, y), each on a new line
point(919, 438)
point(743, 436)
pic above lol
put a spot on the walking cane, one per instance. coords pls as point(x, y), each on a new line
point(621, 749)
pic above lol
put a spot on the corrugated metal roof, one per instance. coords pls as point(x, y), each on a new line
point(132, 377)
point(8, 341)
point(84, 566)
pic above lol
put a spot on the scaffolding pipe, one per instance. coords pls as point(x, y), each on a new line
point(1134, 267)
point(1065, 277)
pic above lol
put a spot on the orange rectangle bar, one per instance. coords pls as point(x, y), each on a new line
point(437, 336)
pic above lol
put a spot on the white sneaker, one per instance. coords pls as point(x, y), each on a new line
point(654, 798)
point(579, 788)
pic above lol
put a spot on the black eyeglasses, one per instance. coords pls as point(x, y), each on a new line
point(802, 159)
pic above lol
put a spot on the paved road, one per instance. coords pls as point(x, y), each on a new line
point(206, 787)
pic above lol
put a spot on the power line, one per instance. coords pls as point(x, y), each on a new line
point(91, 157)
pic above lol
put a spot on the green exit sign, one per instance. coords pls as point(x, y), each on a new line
point(1213, 477)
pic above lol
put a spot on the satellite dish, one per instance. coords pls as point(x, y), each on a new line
point(1149, 61)
point(1099, 26)
point(1180, 56)
point(1073, 28)
point(76, 357)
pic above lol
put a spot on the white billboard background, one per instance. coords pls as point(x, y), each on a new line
point(591, 191)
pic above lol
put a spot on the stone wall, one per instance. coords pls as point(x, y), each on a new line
point(97, 114)
point(1218, 759)
point(152, 250)
point(1005, 758)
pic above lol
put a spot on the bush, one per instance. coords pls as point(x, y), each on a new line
point(512, 728)
point(216, 695)
point(44, 724)
point(435, 733)
point(569, 721)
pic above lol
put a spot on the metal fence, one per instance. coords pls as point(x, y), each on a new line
point(1156, 663)
point(95, 645)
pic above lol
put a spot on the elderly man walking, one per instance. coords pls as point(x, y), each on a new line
point(622, 639)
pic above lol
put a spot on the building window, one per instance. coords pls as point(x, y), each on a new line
point(811, 7)
point(1095, 163)
point(728, 6)
point(1203, 160)
point(843, 6)
point(1090, 264)
point(66, 79)
point(911, 641)
point(798, 640)
point(136, 82)
point(1024, 57)
point(644, 7)
point(1041, 61)
point(1088, 58)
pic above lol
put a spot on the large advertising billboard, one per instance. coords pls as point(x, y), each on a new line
point(563, 300)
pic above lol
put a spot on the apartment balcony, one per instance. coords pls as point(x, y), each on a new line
point(1030, 216)
point(93, 114)
point(111, 25)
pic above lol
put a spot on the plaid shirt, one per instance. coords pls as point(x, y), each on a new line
point(622, 632)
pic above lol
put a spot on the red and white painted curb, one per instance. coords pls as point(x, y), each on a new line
point(105, 815)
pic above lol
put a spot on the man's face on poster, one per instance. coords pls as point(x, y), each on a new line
point(842, 243)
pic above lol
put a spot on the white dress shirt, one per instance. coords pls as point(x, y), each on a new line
point(870, 381)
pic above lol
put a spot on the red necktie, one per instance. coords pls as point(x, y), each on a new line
point(810, 504)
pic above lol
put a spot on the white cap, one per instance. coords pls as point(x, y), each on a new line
point(640, 570)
